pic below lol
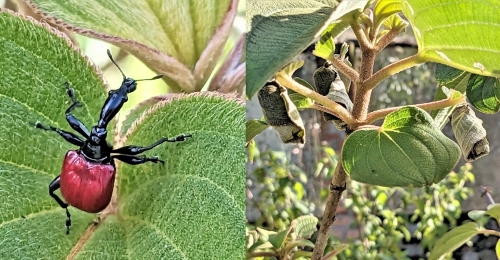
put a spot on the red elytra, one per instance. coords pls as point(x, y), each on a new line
point(85, 185)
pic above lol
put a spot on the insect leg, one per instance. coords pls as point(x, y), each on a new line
point(134, 150)
point(134, 160)
point(76, 124)
point(53, 186)
point(70, 137)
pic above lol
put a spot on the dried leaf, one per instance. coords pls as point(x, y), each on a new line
point(280, 112)
point(470, 133)
point(329, 84)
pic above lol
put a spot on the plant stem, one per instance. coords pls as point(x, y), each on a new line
point(379, 114)
point(261, 254)
point(339, 111)
point(338, 181)
point(392, 69)
point(364, 43)
point(352, 74)
point(489, 232)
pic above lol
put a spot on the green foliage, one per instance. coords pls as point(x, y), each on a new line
point(283, 245)
point(484, 93)
point(383, 214)
point(273, 26)
point(190, 208)
point(254, 127)
point(457, 33)
point(281, 191)
point(179, 39)
point(460, 235)
point(407, 150)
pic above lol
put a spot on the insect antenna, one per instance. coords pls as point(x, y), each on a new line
point(111, 58)
point(153, 78)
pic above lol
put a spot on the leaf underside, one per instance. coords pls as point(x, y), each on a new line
point(408, 150)
point(459, 33)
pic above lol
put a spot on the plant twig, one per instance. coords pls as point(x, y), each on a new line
point(379, 114)
point(392, 69)
point(285, 80)
point(489, 232)
point(364, 43)
point(352, 74)
point(386, 39)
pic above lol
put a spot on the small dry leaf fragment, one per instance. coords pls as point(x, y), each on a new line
point(470, 133)
point(280, 112)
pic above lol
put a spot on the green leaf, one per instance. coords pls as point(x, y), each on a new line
point(304, 226)
point(446, 74)
point(36, 61)
point(278, 239)
point(460, 34)
point(484, 93)
point(140, 109)
point(278, 30)
point(180, 39)
point(476, 214)
point(493, 211)
point(497, 249)
point(255, 127)
point(453, 240)
point(325, 48)
point(407, 150)
point(384, 9)
point(451, 79)
point(300, 101)
point(200, 189)
point(337, 249)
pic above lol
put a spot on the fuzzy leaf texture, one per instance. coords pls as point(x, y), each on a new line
point(197, 199)
point(180, 39)
point(174, 211)
point(31, 89)
point(459, 33)
point(278, 30)
point(407, 150)
point(304, 226)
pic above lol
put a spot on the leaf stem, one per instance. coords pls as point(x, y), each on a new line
point(489, 232)
point(379, 114)
point(392, 69)
point(285, 80)
point(364, 43)
point(351, 73)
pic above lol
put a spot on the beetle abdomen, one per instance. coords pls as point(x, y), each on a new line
point(85, 185)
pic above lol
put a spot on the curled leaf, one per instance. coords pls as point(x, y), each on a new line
point(470, 133)
point(280, 112)
point(329, 84)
